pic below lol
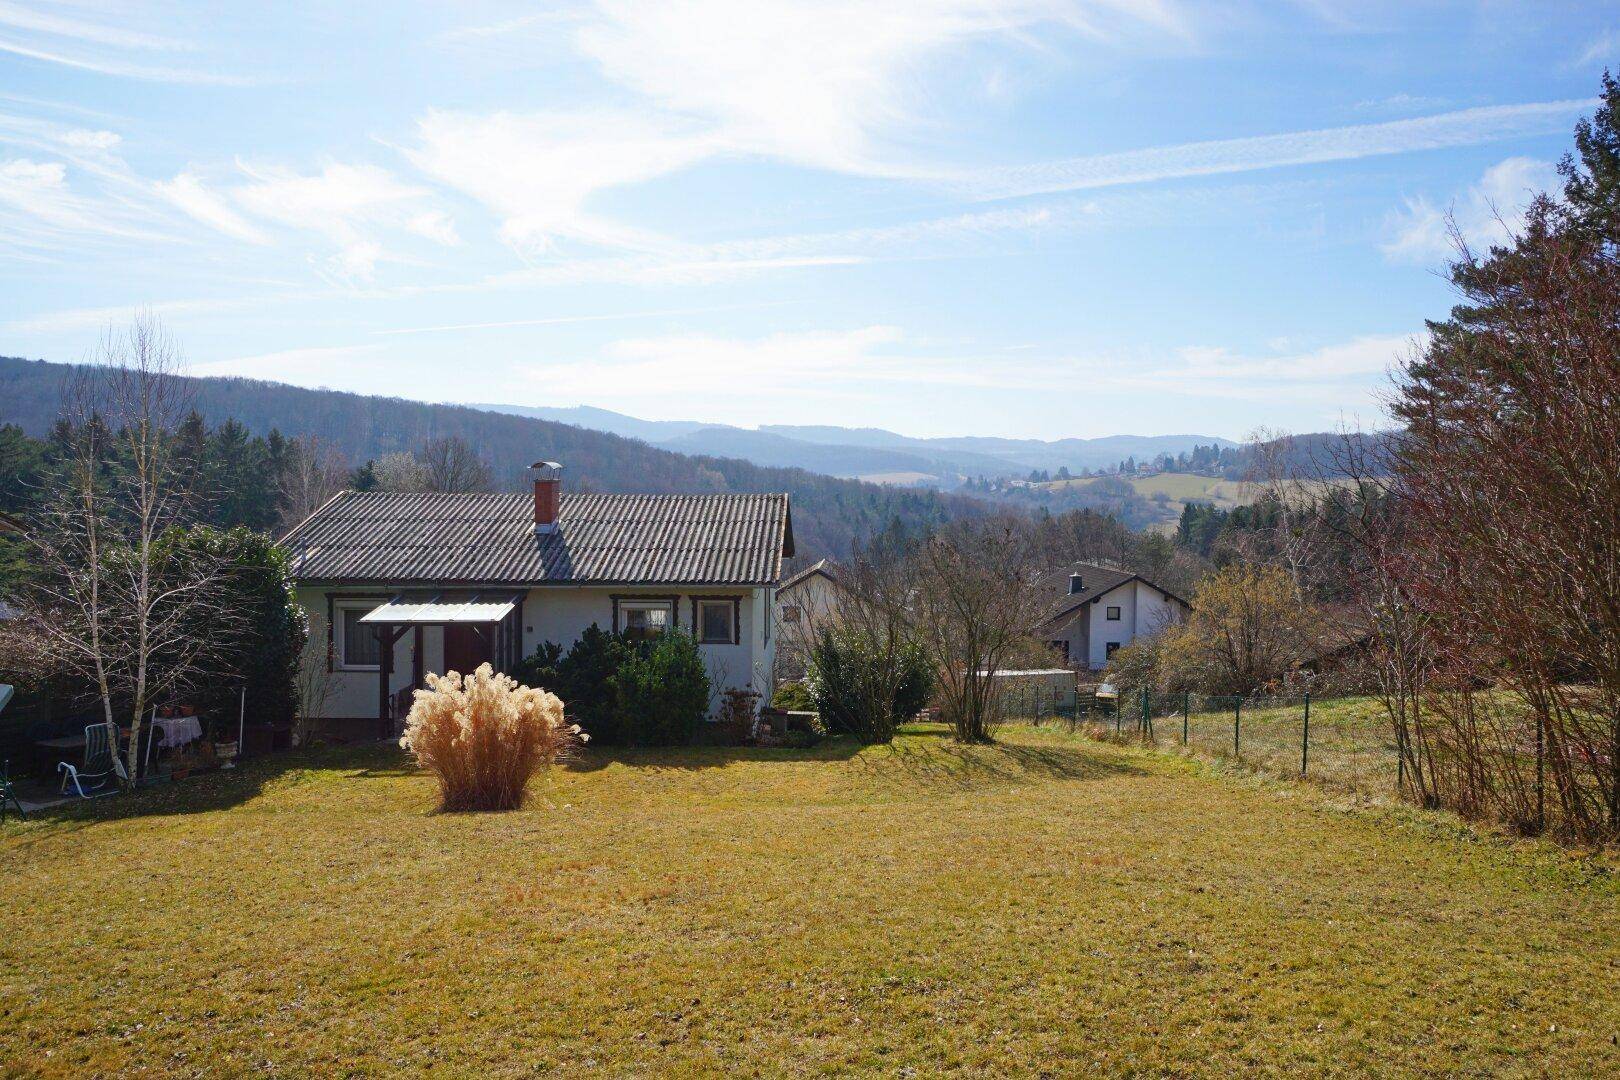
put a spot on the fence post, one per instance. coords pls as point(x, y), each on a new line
point(1305, 740)
point(1237, 727)
point(1186, 712)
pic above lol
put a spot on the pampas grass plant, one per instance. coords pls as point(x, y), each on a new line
point(484, 735)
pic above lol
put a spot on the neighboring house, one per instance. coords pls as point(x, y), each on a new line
point(1096, 610)
point(809, 596)
point(399, 585)
point(806, 601)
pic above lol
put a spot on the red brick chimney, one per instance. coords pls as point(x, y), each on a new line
point(547, 494)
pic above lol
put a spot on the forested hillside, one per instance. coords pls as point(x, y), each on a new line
point(828, 513)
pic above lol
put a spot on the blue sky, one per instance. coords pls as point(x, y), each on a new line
point(1037, 218)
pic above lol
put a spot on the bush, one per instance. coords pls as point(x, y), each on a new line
point(263, 628)
point(661, 691)
point(1135, 666)
point(739, 714)
point(865, 687)
point(793, 697)
point(483, 736)
point(583, 679)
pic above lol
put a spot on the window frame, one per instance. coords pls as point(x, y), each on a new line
point(1111, 647)
point(1112, 613)
point(643, 603)
point(733, 618)
point(339, 630)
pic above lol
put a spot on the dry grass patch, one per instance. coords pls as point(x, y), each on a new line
point(1046, 904)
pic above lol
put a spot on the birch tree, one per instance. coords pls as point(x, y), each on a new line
point(112, 595)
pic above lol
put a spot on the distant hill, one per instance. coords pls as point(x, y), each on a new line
point(829, 513)
point(873, 452)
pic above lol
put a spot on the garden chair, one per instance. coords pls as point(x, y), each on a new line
point(101, 762)
point(8, 793)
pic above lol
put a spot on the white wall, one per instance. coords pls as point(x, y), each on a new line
point(560, 614)
point(1143, 609)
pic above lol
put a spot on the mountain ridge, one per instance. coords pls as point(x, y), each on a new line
point(870, 452)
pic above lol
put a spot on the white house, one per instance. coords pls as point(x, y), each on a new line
point(399, 585)
point(806, 603)
point(1096, 610)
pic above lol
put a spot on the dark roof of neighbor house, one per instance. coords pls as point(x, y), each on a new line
point(825, 568)
point(1094, 581)
point(442, 539)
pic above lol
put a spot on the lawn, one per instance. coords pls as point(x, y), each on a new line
point(1046, 905)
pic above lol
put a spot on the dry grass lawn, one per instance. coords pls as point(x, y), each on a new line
point(1047, 905)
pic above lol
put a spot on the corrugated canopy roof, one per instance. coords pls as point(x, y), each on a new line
point(437, 609)
point(395, 538)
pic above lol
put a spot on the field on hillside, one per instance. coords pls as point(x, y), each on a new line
point(1046, 905)
point(1179, 489)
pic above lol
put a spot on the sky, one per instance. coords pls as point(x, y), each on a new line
point(1030, 218)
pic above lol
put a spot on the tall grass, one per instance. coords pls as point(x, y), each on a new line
point(484, 736)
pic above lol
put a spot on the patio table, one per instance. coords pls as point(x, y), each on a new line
point(177, 730)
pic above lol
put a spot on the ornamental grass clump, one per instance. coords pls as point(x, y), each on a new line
point(484, 735)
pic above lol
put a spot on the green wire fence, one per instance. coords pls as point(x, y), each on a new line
point(1340, 742)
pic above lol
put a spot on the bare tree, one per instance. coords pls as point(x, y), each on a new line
point(315, 472)
point(866, 669)
point(451, 464)
point(400, 471)
point(976, 597)
point(1508, 472)
point(119, 607)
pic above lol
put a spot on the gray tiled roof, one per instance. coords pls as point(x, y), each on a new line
point(1094, 581)
point(392, 538)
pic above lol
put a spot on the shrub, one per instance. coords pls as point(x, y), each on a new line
point(584, 679)
point(739, 714)
point(483, 736)
point(661, 691)
point(793, 697)
point(866, 687)
point(257, 625)
point(1135, 666)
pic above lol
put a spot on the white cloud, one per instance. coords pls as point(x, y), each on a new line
point(68, 40)
point(830, 85)
point(537, 170)
point(819, 83)
point(346, 204)
point(84, 139)
point(1461, 128)
point(435, 225)
point(40, 209)
point(187, 192)
point(1606, 46)
point(333, 201)
point(1489, 212)
point(103, 66)
point(18, 17)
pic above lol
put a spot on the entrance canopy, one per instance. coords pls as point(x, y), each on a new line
point(477, 625)
point(444, 609)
